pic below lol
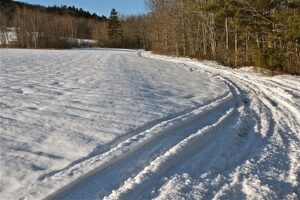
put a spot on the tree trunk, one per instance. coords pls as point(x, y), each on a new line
point(183, 28)
point(236, 47)
point(246, 50)
point(257, 40)
point(226, 33)
point(204, 39)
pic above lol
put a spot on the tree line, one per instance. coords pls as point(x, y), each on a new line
point(49, 27)
point(261, 33)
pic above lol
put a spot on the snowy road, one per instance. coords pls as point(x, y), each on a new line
point(121, 124)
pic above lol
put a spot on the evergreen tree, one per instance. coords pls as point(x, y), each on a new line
point(115, 29)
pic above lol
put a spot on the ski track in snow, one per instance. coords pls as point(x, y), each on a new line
point(170, 142)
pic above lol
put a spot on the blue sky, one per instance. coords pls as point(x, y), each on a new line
point(101, 7)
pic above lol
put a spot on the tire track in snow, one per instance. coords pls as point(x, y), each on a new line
point(140, 186)
point(285, 114)
point(132, 187)
point(148, 141)
point(207, 129)
point(279, 145)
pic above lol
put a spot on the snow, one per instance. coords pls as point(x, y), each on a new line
point(59, 108)
point(126, 124)
point(9, 36)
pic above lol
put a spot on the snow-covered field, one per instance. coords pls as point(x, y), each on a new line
point(124, 124)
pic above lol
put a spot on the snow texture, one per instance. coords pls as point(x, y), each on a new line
point(125, 124)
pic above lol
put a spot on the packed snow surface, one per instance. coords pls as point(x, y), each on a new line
point(124, 124)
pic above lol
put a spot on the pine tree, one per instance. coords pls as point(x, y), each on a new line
point(115, 29)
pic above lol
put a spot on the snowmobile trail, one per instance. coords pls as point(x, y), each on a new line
point(134, 153)
point(241, 143)
point(223, 141)
point(269, 146)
